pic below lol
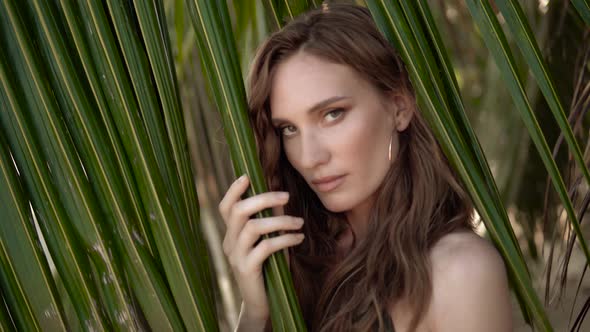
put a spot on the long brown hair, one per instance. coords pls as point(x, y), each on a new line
point(419, 201)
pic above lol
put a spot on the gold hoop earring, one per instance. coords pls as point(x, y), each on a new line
point(390, 140)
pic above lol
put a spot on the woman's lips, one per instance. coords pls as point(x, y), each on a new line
point(328, 184)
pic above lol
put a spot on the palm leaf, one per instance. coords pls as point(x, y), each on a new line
point(23, 259)
point(220, 62)
point(16, 298)
point(73, 21)
point(6, 324)
point(526, 41)
point(583, 8)
point(53, 216)
point(74, 190)
point(190, 294)
point(282, 11)
point(97, 155)
point(88, 115)
point(496, 41)
point(140, 77)
point(398, 22)
point(250, 29)
point(152, 23)
point(457, 112)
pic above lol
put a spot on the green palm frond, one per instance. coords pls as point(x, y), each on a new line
point(441, 104)
point(59, 232)
point(24, 267)
point(525, 40)
point(114, 196)
point(583, 8)
point(282, 11)
point(6, 323)
point(220, 62)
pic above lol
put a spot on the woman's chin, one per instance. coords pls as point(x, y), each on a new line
point(335, 205)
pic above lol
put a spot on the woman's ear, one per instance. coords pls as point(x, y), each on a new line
point(403, 110)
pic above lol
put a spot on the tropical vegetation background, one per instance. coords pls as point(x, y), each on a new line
point(122, 123)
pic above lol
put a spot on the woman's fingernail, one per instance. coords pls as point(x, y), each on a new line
point(283, 195)
point(242, 178)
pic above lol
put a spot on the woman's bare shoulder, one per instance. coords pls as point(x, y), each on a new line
point(469, 285)
point(462, 242)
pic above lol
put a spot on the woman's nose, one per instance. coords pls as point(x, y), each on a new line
point(314, 151)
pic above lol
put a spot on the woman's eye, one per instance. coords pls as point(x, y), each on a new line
point(334, 114)
point(330, 116)
point(287, 130)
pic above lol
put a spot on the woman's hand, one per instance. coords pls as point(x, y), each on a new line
point(244, 254)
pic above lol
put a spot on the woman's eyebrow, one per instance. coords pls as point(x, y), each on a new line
point(315, 107)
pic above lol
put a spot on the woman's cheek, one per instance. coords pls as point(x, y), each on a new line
point(360, 138)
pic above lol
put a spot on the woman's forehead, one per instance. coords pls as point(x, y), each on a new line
point(303, 81)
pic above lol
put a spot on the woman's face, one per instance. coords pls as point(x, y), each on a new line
point(336, 129)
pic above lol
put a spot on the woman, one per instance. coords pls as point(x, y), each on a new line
point(378, 228)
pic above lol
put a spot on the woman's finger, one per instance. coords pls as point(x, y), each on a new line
point(269, 246)
point(252, 205)
point(255, 228)
point(242, 210)
point(233, 195)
